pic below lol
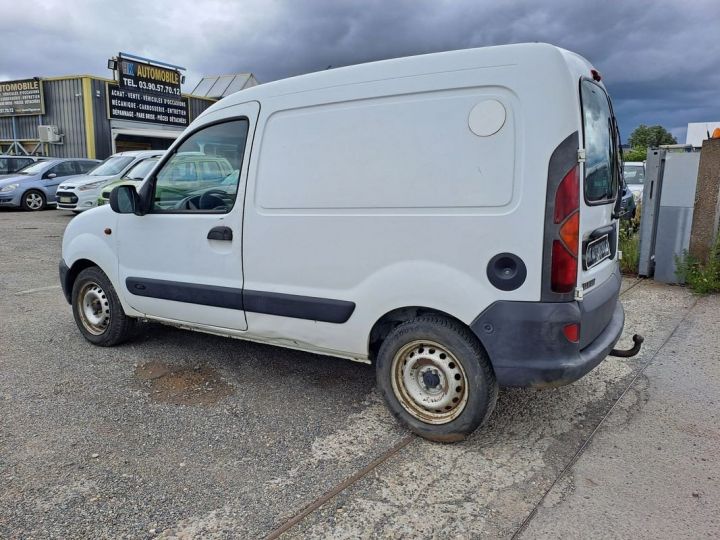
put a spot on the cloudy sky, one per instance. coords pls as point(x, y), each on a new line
point(659, 59)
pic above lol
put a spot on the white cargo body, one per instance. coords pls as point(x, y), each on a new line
point(462, 199)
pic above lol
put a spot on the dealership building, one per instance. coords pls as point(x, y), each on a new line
point(93, 117)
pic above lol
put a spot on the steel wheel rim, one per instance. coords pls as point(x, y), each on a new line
point(94, 308)
point(429, 382)
point(33, 201)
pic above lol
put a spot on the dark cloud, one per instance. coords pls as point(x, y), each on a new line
point(660, 60)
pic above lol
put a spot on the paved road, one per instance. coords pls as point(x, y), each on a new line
point(180, 434)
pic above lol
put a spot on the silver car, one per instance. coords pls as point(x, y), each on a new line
point(13, 164)
point(33, 188)
point(634, 174)
point(81, 192)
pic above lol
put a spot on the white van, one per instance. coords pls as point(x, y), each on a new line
point(448, 217)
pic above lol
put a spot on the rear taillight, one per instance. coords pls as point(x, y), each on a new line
point(564, 265)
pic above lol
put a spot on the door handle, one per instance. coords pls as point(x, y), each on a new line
point(220, 233)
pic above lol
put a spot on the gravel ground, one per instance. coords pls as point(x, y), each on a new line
point(181, 434)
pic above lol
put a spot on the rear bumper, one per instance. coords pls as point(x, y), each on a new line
point(526, 344)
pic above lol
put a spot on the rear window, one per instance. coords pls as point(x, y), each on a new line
point(634, 174)
point(600, 157)
point(11, 164)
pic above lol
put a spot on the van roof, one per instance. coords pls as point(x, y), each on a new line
point(464, 59)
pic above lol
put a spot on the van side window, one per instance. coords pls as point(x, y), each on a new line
point(203, 173)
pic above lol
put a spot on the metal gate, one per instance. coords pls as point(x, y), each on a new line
point(667, 211)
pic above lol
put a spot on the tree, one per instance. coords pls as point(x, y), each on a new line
point(650, 136)
point(635, 154)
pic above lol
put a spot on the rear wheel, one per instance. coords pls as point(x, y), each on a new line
point(33, 200)
point(97, 309)
point(436, 378)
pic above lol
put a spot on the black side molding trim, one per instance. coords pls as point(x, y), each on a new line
point(299, 307)
point(190, 293)
point(269, 303)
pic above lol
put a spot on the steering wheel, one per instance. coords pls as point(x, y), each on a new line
point(212, 199)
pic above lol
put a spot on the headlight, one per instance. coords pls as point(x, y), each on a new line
point(9, 187)
point(94, 185)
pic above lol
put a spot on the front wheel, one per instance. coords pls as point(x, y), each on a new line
point(97, 309)
point(33, 200)
point(436, 378)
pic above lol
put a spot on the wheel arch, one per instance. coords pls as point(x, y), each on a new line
point(385, 324)
point(72, 274)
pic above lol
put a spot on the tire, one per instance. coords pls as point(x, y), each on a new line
point(417, 368)
point(33, 200)
point(97, 309)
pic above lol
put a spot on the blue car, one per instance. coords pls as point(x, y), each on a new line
point(33, 188)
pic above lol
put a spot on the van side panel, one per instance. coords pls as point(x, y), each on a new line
point(398, 152)
point(378, 193)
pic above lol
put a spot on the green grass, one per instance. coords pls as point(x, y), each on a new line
point(630, 247)
point(701, 277)
point(629, 243)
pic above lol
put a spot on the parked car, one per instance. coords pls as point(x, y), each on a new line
point(33, 188)
point(634, 174)
point(446, 217)
point(628, 206)
point(190, 171)
point(135, 175)
point(81, 193)
point(12, 164)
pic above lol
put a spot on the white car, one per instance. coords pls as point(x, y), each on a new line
point(81, 193)
point(634, 174)
point(447, 217)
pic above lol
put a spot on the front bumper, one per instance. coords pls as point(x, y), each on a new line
point(65, 281)
point(526, 344)
point(77, 200)
point(11, 199)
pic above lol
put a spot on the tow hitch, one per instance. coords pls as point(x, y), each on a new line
point(632, 351)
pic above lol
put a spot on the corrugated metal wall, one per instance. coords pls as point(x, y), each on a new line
point(103, 141)
point(196, 106)
point(26, 127)
point(64, 108)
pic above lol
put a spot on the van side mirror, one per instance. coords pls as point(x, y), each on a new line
point(125, 200)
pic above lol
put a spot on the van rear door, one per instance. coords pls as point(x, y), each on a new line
point(599, 188)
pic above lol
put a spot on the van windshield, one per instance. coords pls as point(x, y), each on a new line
point(111, 166)
point(600, 144)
